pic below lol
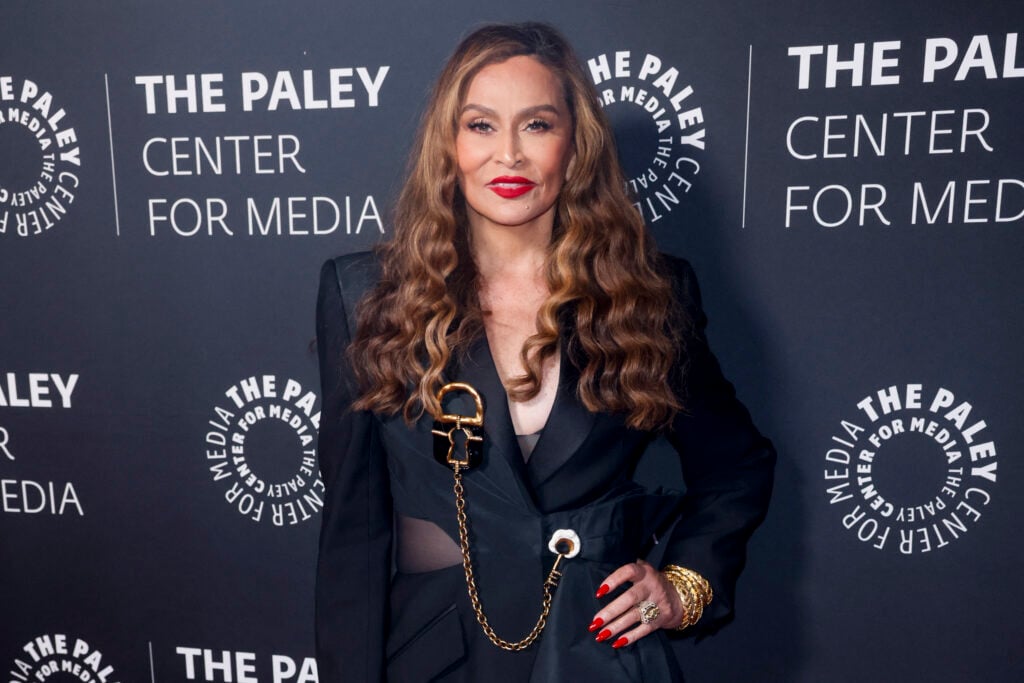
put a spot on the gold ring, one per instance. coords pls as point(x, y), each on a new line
point(648, 611)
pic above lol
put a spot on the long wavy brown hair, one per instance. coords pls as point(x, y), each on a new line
point(608, 294)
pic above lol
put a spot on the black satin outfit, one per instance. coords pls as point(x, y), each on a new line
point(376, 624)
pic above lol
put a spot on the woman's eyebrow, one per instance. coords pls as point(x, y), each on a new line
point(529, 111)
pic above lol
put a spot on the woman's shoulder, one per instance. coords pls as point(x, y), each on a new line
point(355, 273)
point(680, 274)
point(356, 264)
point(676, 267)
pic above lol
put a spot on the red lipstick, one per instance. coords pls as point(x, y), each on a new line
point(510, 187)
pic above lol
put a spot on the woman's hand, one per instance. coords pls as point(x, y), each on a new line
point(621, 617)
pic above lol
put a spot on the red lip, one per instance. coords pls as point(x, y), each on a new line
point(510, 187)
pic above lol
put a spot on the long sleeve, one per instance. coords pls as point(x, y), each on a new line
point(353, 569)
point(727, 465)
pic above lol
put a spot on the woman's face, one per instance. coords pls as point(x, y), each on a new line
point(514, 144)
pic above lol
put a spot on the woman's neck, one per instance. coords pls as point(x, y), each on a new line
point(502, 252)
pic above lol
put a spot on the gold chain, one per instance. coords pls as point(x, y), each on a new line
point(549, 584)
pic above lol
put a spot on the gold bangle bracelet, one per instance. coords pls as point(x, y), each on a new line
point(694, 593)
point(692, 578)
point(690, 596)
point(698, 581)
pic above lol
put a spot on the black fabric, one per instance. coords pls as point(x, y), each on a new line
point(579, 477)
point(422, 546)
point(527, 442)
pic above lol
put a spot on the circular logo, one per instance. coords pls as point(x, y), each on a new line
point(913, 472)
point(59, 658)
point(262, 447)
point(39, 178)
point(659, 127)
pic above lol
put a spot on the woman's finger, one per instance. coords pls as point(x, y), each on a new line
point(626, 573)
point(621, 617)
point(631, 636)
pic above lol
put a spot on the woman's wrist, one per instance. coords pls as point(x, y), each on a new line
point(694, 592)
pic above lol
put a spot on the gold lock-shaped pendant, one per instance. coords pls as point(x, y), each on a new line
point(454, 433)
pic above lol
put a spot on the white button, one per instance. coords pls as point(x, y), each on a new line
point(567, 536)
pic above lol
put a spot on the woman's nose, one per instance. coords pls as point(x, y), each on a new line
point(510, 151)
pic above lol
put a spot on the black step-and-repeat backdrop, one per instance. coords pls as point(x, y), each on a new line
point(845, 177)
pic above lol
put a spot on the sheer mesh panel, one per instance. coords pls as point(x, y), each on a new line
point(422, 546)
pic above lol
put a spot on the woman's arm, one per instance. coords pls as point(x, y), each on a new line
point(354, 566)
point(728, 469)
point(727, 465)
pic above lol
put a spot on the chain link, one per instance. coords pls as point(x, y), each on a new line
point(474, 598)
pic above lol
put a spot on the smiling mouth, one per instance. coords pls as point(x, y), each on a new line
point(510, 187)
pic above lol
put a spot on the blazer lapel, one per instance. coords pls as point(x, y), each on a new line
point(567, 427)
point(503, 463)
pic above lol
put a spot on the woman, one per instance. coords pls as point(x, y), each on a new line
point(520, 268)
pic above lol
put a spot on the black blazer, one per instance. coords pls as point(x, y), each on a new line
point(579, 476)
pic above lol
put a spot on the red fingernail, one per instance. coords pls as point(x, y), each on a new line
point(595, 624)
point(620, 642)
point(603, 636)
point(603, 590)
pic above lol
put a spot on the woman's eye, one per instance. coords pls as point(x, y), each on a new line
point(479, 126)
point(538, 124)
